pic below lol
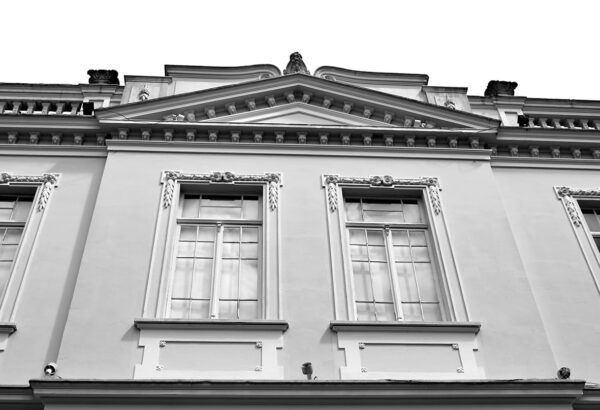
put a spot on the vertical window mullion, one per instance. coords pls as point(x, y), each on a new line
point(216, 273)
point(389, 246)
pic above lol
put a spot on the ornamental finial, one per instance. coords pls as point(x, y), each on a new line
point(296, 65)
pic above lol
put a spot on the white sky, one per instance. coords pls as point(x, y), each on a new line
point(551, 48)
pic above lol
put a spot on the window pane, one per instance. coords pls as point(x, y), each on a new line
point(8, 252)
point(207, 233)
point(228, 309)
point(4, 275)
point(221, 201)
point(385, 311)
point(417, 238)
point(357, 236)
point(359, 253)
point(382, 216)
point(11, 236)
point(211, 212)
point(249, 280)
point(402, 254)
point(180, 309)
point(250, 250)
point(412, 214)
point(420, 253)
point(182, 278)
point(204, 249)
point(365, 311)
point(591, 219)
point(377, 253)
point(7, 201)
point(5, 214)
point(375, 237)
point(362, 281)
point(187, 233)
point(407, 282)
point(186, 249)
point(382, 288)
point(199, 309)
point(251, 209)
point(400, 237)
point(426, 282)
point(229, 279)
point(412, 311)
point(231, 250)
point(353, 212)
point(597, 242)
point(201, 282)
point(250, 235)
point(190, 206)
point(381, 205)
point(431, 312)
point(248, 309)
point(231, 234)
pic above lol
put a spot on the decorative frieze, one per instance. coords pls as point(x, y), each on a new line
point(331, 183)
point(272, 180)
point(48, 182)
point(566, 194)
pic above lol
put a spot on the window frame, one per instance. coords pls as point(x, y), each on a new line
point(267, 186)
point(220, 225)
point(40, 187)
point(451, 297)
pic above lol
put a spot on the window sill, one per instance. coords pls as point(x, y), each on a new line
point(438, 327)
point(170, 324)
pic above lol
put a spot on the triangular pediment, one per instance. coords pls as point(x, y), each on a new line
point(299, 114)
point(295, 99)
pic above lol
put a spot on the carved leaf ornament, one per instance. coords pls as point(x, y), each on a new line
point(272, 180)
point(331, 183)
point(566, 194)
point(48, 182)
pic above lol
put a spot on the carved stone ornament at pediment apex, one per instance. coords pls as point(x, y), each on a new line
point(48, 182)
point(296, 65)
point(272, 180)
point(331, 183)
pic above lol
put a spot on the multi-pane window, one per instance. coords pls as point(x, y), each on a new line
point(592, 218)
point(217, 269)
point(393, 273)
point(14, 210)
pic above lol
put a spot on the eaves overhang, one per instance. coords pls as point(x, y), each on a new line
point(549, 136)
point(321, 392)
point(220, 72)
point(32, 122)
point(264, 87)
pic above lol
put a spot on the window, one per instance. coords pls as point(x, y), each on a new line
point(391, 260)
point(217, 258)
point(14, 212)
point(592, 219)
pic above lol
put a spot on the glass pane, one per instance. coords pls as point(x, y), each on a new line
point(207, 233)
point(229, 279)
point(362, 281)
point(375, 237)
point(249, 280)
point(179, 309)
point(250, 250)
point(412, 213)
point(204, 250)
point(190, 206)
point(357, 236)
point(250, 235)
point(231, 250)
point(382, 216)
point(412, 312)
point(8, 252)
point(385, 311)
point(418, 238)
point(228, 309)
point(11, 236)
point(221, 201)
point(359, 253)
point(4, 275)
point(248, 310)
point(251, 209)
point(365, 311)
point(597, 241)
point(382, 205)
point(591, 219)
point(199, 309)
point(201, 283)
point(5, 214)
point(382, 287)
point(400, 237)
point(377, 253)
point(407, 282)
point(231, 234)
point(211, 212)
point(182, 278)
point(353, 211)
point(22, 208)
point(186, 249)
point(420, 253)
point(7, 201)
point(187, 233)
point(402, 254)
point(432, 312)
point(427, 288)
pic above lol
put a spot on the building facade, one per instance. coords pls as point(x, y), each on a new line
point(242, 237)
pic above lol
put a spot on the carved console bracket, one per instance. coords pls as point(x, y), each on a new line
point(47, 181)
point(566, 194)
point(331, 182)
point(272, 180)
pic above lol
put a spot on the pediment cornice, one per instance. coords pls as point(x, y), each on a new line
point(234, 99)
